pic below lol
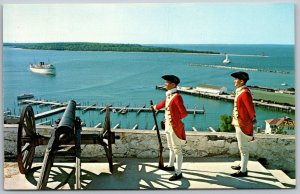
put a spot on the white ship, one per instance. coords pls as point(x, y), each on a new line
point(42, 68)
point(226, 60)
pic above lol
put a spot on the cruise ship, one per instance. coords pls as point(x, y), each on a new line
point(42, 68)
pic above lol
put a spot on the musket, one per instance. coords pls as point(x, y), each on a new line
point(161, 148)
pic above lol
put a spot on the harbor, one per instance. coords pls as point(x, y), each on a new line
point(135, 86)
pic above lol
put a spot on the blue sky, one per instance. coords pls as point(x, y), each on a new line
point(152, 23)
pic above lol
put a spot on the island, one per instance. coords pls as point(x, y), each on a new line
point(89, 46)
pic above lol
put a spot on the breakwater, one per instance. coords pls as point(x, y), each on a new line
point(240, 68)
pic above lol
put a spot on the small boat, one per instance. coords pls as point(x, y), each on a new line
point(25, 96)
point(226, 60)
point(284, 84)
point(11, 119)
point(42, 68)
point(6, 113)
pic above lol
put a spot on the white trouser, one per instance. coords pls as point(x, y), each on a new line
point(174, 145)
point(243, 144)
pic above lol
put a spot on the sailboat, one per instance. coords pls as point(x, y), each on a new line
point(226, 60)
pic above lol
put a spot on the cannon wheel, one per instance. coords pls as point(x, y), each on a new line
point(107, 129)
point(26, 140)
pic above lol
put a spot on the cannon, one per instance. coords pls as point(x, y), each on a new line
point(66, 133)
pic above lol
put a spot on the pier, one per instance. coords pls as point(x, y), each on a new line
point(98, 125)
point(230, 97)
point(89, 107)
point(120, 110)
point(49, 113)
point(101, 109)
point(138, 110)
point(42, 102)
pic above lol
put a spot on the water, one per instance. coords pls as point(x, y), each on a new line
point(122, 78)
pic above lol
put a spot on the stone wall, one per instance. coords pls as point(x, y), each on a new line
point(277, 150)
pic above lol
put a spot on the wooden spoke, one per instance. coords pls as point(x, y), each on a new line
point(27, 154)
point(26, 128)
point(28, 123)
point(25, 157)
point(30, 156)
point(25, 148)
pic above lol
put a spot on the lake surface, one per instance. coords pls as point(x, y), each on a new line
point(122, 78)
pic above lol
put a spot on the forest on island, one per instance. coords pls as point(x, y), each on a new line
point(87, 46)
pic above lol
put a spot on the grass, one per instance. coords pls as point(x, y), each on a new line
point(272, 96)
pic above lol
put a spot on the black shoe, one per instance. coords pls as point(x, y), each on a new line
point(175, 177)
point(239, 174)
point(238, 167)
point(168, 168)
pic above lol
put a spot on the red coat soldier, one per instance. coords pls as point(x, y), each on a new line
point(174, 127)
point(243, 119)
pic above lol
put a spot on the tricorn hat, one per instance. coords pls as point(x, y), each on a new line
point(241, 75)
point(172, 78)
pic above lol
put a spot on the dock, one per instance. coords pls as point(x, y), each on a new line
point(49, 113)
point(230, 97)
point(101, 109)
point(43, 102)
point(135, 127)
point(59, 107)
point(89, 107)
point(43, 123)
point(138, 110)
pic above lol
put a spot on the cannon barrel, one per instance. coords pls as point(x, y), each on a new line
point(68, 118)
point(64, 132)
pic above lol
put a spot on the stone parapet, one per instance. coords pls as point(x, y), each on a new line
point(277, 150)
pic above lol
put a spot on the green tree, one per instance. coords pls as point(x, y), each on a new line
point(225, 123)
point(280, 130)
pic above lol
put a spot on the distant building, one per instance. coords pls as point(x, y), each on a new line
point(283, 125)
point(205, 88)
point(285, 92)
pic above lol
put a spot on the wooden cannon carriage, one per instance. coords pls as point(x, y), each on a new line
point(66, 133)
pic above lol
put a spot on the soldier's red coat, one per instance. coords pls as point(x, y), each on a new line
point(246, 112)
point(178, 112)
